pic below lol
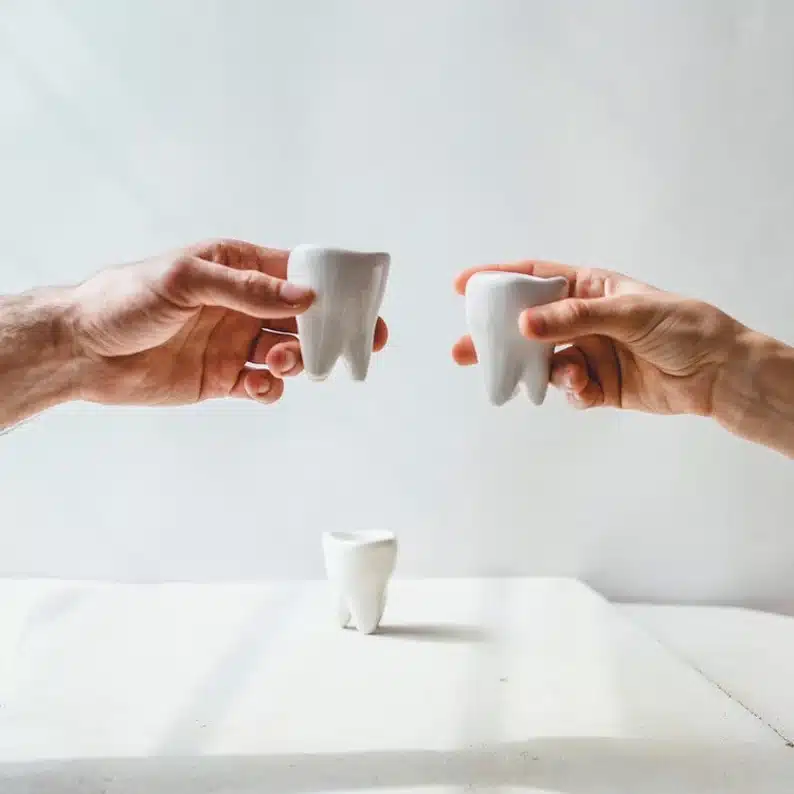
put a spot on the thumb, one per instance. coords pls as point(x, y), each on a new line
point(192, 282)
point(621, 317)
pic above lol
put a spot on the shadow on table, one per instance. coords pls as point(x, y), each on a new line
point(432, 632)
point(569, 766)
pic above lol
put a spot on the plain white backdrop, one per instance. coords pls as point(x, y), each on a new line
point(653, 137)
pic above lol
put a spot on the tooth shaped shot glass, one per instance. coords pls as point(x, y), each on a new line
point(359, 566)
point(494, 302)
point(349, 288)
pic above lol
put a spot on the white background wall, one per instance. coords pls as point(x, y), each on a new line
point(653, 137)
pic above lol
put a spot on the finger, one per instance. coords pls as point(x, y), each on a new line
point(280, 352)
point(624, 318)
point(290, 326)
point(285, 325)
point(381, 335)
point(593, 370)
point(569, 370)
point(463, 352)
point(243, 255)
point(285, 359)
point(529, 268)
point(574, 373)
point(192, 282)
point(583, 282)
point(591, 396)
point(259, 385)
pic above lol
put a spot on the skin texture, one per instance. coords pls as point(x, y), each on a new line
point(172, 330)
point(629, 345)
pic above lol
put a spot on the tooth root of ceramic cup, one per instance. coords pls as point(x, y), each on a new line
point(319, 360)
point(501, 383)
point(366, 609)
point(358, 354)
point(342, 612)
point(341, 323)
point(524, 370)
point(535, 380)
point(321, 345)
point(536, 392)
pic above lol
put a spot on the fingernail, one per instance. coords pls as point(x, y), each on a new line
point(264, 388)
point(293, 293)
point(531, 324)
point(288, 361)
point(534, 323)
point(567, 379)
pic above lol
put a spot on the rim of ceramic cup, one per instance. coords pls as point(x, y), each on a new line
point(507, 275)
point(335, 249)
point(363, 537)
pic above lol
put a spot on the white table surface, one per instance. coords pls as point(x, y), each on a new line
point(503, 685)
point(747, 653)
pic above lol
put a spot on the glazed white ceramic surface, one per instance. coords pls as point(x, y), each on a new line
point(349, 288)
point(508, 360)
point(359, 566)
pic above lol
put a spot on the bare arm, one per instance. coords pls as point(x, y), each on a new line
point(754, 392)
point(37, 361)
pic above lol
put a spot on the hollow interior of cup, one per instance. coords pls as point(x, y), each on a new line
point(363, 257)
point(362, 537)
point(509, 277)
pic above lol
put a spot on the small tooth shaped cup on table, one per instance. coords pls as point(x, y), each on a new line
point(494, 302)
point(349, 288)
point(359, 566)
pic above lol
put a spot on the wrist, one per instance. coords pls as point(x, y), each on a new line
point(754, 391)
point(38, 361)
point(64, 356)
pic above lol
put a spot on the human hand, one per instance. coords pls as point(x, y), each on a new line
point(630, 345)
point(182, 327)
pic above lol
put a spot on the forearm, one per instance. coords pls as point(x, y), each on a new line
point(37, 364)
point(754, 395)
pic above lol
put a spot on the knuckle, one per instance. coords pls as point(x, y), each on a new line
point(611, 283)
point(212, 249)
point(591, 282)
point(578, 311)
point(179, 276)
point(250, 281)
point(256, 283)
point(263, 287)
point(631, 306)
point(596, 282)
